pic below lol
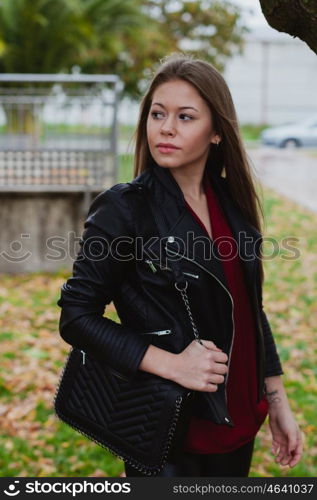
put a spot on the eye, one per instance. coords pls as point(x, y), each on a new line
point(157, 115)
point(184, 117)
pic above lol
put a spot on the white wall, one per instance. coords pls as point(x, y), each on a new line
point(275, 80)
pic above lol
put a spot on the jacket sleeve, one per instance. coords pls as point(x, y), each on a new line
point(272, 361)
point(103, 259)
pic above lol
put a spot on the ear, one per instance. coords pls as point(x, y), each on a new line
point(216, 139)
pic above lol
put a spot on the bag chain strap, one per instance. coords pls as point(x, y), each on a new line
point(184, 295)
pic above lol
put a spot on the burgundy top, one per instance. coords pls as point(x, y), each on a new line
point(247, 415)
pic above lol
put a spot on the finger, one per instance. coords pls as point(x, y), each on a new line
point(275, 447)
point(286, 459)
point(282, 452)
point(220, 368)
point(217, 379)
point(288, 454)
point(210, 345)
point(220, 357)
point(295, 459)
point(292, 440)
point(296, 456)
point(297, 453)
point(211, 387)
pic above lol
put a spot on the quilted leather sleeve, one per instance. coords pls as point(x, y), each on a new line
point(97, 273)
point(273, 363)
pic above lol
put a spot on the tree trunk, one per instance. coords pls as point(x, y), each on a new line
point(296, 17)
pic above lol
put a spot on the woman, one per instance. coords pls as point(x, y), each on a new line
point(191, 162)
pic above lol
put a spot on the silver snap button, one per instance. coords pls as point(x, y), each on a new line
point(171, 239)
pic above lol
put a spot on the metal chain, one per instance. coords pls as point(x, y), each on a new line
point(186, 302)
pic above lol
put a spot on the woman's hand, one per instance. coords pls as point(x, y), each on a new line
point(287, 440)
point(200, 367)
point(287, 444)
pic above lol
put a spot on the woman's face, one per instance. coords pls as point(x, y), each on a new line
point(179, 126)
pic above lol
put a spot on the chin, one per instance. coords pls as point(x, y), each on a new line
point(166, 163)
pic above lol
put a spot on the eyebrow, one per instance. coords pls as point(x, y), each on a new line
point(181, 107)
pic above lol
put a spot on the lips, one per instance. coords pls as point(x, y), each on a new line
point(166, 147)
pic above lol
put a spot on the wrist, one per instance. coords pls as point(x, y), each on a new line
point(159, 362)
point(275, 394)
point(169, 367)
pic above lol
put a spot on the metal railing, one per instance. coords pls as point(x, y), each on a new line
point(58, 132)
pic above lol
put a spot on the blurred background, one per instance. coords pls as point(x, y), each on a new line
point(72, 73)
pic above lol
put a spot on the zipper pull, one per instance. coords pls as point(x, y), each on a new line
point(196, 276)
point(84, 356)
point(164, 332)
point(152, 267)
point(158, 332)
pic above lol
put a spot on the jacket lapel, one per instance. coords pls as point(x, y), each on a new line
point(197, 247)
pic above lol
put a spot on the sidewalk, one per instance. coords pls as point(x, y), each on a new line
point(292, 173)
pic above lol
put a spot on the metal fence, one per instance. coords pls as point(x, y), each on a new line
point(58, 132)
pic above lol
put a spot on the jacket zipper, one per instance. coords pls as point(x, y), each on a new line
point(153, 268)
point(232, 314)
point(112, 370)
point(157, 332)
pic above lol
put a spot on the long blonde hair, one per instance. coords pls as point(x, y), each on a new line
point(230, 154)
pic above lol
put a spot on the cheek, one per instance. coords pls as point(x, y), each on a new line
point(200, 137)
point(149, 132)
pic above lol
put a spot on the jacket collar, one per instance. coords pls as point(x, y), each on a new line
point(164, 176)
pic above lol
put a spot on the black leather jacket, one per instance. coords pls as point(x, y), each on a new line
point(131, 272)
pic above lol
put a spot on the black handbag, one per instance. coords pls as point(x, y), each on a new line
point(140, 419)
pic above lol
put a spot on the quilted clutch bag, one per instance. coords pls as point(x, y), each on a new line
point(140, 419)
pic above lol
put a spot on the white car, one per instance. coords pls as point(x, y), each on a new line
point(302, 133)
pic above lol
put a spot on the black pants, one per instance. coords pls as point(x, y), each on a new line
point(234, 464)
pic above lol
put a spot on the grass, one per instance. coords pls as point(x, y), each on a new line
point(33, 442)
point(250, 132)
point(126, 168)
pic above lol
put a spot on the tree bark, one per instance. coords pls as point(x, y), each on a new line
point(296, 17)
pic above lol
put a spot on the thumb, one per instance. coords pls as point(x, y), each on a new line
point(275, 447)
point(292, 443)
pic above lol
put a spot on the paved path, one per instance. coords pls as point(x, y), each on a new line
point(292, 173)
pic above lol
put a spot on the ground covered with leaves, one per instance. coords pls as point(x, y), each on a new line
point(33, 442)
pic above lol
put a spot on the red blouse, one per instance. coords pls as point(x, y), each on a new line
point(204, 436)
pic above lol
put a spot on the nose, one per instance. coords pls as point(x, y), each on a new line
point(168, 127)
